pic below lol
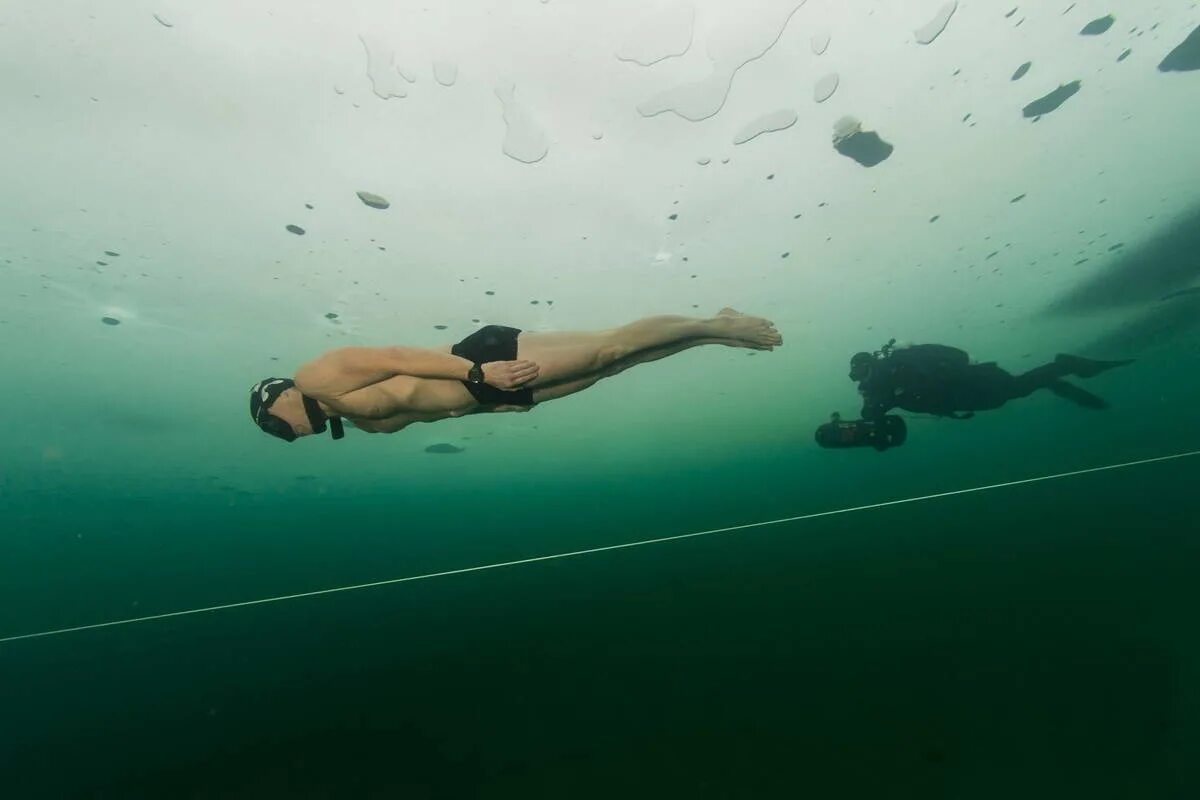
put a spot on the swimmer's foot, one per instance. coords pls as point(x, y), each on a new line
point(753, 332)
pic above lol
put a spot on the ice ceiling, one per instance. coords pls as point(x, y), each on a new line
point(201, 194)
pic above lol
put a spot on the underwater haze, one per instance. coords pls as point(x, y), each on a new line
point(199, 195)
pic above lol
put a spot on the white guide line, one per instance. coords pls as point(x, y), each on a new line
point(574, 553)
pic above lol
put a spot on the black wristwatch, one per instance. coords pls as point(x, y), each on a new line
point(475, 374)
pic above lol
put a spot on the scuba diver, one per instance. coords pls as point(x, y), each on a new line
point(941, 380)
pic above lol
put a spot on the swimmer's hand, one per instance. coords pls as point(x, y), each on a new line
point(502, 409)
point(509, 375)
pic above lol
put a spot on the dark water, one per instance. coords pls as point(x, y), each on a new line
point(1034, 640)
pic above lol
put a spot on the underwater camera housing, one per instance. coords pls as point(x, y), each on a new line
point(880, 434)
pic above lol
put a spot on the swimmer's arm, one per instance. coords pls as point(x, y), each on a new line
point(349, 369)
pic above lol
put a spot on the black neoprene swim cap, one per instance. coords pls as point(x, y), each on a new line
point(262, 396)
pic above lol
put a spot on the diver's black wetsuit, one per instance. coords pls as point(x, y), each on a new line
point(941, 380)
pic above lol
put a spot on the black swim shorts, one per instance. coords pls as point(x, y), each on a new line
point(492, 343)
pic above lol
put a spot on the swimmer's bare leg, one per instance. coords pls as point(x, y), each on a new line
point(576, 356)
point(573, 386)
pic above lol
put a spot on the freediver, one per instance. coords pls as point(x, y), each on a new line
point(941, 380)
point(495, 369)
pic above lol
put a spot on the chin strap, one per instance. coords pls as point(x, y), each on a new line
point(317, 418)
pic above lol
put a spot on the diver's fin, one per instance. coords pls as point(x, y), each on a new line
point(1080, 397)
point(1087, 367)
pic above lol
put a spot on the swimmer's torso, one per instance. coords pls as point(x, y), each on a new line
point(399, 401)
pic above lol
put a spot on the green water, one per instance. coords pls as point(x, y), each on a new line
point(1033, 640)
point(1002, 608)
